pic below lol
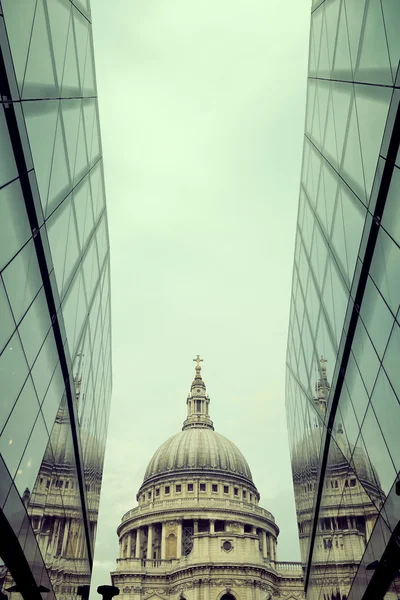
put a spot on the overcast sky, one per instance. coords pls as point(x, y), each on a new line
point(202, 116)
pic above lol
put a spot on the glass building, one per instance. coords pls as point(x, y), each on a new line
point(343, 354)
point(55, 344)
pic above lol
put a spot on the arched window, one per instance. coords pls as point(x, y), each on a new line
point(228, 597)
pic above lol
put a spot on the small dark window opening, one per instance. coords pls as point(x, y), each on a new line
point(248, 528)
point(202, 487)
point(157, 491)
point(214, 487)
point(219, 526)
point(244, 493)
point(178, 488)
point(236, 491)
point(190, 487)
point(352, 483)
point(204, 526)
point(226, 489)
point(167, 489)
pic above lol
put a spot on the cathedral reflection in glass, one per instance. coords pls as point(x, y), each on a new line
point(55, 361)
point(343, 383)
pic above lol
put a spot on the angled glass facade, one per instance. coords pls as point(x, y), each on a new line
point(343, 383)
point(55, 337)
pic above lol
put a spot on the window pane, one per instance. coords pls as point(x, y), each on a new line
point(34, 327)
point(14, 225)
point(7, 324)
point(8, 169)
point(13, 372)
point(22, 280)
point(15, 434)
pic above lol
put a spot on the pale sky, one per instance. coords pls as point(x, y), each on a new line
point(202, 117)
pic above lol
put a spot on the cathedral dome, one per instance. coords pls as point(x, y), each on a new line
point(198, 449)
point(342, 453)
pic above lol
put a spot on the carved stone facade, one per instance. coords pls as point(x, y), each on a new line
point(198, 532)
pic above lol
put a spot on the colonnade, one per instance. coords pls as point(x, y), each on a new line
point(171, 540)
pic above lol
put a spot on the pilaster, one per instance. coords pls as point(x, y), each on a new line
point(150, 542)
point(138, 542)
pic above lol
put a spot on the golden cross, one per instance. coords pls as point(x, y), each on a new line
point(198, 360)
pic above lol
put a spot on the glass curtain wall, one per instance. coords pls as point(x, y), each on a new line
point(343, 384)
point(55, 336)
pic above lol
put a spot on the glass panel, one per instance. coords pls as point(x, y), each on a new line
point(342, 95)
point(8, 169)
point(41, 121)
point(72, 256)
point(355, 16)
point(391, 214)
point(71, 85)
point(17, 430)
point(81, 200)
point(34, 327)
point(43, 369)
point(391, 360)
point(385, 270)
point(352, 169)
point(61, 173)
point(13, 372)
point(342, 62)
point(391, 18)
point(374, 65)
point(376, 317)
point(90, 269)
point(40, 77)
point(71, 111)
point(371, 100)
point(353, 220)
point(19, 20)
point(379, 460)
point(7, 324)
point(22, 280)
point(52, 400)
point(387, 412)
point(57, 231)
point(32, 458)
point(75, 297)
point(14, 225)
point(81, 31)
point(89, 84)
point(366, 357)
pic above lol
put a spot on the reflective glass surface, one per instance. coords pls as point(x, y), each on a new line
point(343, 384)
point(55, 337)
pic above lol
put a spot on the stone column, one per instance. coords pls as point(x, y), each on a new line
point(197, 591)
point(271, 548)
point(150, 543)
point(195, 527)
point(163, 541)
point(120, 548)
point(257, 592)
point(206, 590)
point(65, 538)
point(212, 526)
point(137, 554)
point(129, 548)
point(264, 544)
point(179, 540)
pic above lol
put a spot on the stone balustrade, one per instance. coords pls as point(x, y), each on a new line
point(288, 566)
point(204, 503)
